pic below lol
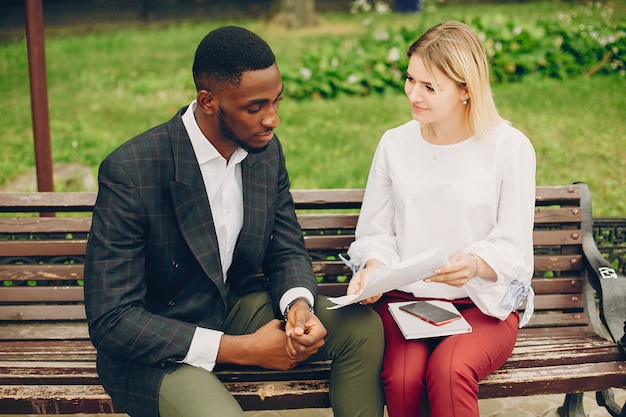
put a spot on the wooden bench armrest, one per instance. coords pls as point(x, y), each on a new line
point(608, 283)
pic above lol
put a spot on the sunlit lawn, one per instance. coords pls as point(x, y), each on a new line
point(107, 86)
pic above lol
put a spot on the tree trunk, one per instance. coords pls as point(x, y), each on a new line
point(295, 13)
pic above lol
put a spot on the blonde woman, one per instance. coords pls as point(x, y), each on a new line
point(459, 178)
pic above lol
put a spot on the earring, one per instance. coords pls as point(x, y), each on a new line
point(465, 102)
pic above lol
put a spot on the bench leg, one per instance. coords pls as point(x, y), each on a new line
point(572, 406)
point(605, 399)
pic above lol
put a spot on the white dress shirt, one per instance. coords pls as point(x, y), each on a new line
point(223, 182)
point(222, 179)
point(476, 196)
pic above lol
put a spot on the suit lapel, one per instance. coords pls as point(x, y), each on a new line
point(254, 213)
point(191, 204)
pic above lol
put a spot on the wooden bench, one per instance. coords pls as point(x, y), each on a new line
point(573, 344)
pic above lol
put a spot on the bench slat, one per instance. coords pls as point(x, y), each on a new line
point(313, 243)
point(331, 289)
point(28, 399)
point(552, 380)
point(42, 312)
point(546, 215)
point(258, 395)
point(543, 380)
point(330, 268)
point(551, 321)
point(563, 285)
point(557, 237)
point(52, 330)
point(27, 295)
point(328, 199)
point(77, 312)
point(528, 338)
point(55, 399)
point(71, 273)
point(65, 371)
point(45, 225)
point(558, 194)
point(529, 352)
point(41, 272)
point(558, 263)
point(337, 243)
point(42, 294)
point(48, 373)
point(558, 301)
point(48, 350)
point(46, 202)
point(328, 221)
point(43, 247)
point(543, 216)
point(562, 352)
point(311, 198)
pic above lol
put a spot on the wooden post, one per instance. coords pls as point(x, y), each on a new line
point(39, 93)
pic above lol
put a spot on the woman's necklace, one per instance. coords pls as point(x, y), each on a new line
point(437, 155)
point(445, 148)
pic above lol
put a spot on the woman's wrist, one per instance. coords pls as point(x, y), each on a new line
point(477, 265)
point(373, 263)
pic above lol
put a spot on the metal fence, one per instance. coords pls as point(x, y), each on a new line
point(610, 237)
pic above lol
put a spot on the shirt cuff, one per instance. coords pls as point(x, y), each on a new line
point(203, 349)
point(294, 293)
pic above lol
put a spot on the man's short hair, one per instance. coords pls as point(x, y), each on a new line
point(225, 53)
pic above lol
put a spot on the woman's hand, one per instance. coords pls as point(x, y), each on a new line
point(360, 279)
point(462, 268)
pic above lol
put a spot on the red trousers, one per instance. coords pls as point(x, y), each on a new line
point(445, 370)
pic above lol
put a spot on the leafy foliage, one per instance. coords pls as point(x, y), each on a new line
point(589, 40)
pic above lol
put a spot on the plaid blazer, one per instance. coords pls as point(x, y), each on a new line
point(152, 269)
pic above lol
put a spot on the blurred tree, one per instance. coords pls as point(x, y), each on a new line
point(294, 13)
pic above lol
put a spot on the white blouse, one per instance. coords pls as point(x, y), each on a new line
point(474, 196)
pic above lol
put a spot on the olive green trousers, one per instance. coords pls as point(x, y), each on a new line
point(354, 344)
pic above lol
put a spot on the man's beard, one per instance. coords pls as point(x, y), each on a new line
point(230, 136)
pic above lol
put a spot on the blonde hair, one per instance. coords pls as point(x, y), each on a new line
point(455, 49)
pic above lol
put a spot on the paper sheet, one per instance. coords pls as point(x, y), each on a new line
point(392, 277)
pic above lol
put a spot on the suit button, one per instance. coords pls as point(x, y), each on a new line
point(175, 264)
point(171, 303)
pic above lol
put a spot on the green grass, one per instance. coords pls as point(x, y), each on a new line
point(108, 85)
point(577, 127)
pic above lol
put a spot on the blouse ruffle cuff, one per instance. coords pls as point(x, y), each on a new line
point(354, 267)
point(516, 294)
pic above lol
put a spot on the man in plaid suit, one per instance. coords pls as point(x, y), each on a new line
point(187, 214)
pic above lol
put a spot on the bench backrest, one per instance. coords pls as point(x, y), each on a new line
point(41, 256)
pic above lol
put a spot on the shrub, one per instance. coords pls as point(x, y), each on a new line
point(590, 40)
